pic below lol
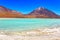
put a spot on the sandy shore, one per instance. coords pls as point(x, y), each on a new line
point(39, 34)
point(18, 37)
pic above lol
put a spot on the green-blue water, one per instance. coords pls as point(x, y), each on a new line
point(19, 24)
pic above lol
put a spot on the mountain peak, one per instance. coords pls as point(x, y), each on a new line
point(40, 8)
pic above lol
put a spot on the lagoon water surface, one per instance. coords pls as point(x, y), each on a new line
point(21, 24)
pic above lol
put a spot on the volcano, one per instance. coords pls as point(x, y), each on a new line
point(42, 12)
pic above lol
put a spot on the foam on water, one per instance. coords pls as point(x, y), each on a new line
point(37, 34)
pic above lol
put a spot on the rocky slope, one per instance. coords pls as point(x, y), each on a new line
point(7, 13)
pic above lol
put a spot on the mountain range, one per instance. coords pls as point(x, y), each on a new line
point(40, 12)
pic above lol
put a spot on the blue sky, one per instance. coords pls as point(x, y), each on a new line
point(26, 6)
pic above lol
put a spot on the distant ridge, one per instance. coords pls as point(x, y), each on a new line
point(40, 12)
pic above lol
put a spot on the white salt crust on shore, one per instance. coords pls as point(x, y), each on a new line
point(39, 34)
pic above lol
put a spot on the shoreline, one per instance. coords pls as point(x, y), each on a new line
point(33, 31)
point(38, 34)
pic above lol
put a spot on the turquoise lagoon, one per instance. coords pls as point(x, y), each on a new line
point(21, 24)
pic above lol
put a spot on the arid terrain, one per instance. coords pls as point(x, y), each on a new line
point(40, 12)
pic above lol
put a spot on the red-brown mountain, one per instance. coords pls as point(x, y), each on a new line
point(43, 13)
point(7, 13)
point(37, 13)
